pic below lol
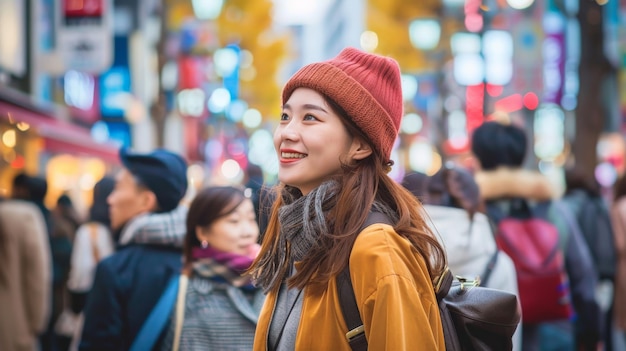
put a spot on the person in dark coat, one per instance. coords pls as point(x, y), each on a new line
point(129, 283)
point(508, 188)
point(584, 197)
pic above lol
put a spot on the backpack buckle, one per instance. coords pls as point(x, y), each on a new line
point(355, 332)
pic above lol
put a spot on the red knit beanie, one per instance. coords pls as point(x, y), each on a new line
point(366, 86)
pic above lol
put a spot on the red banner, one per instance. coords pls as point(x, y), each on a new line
point(83, 8)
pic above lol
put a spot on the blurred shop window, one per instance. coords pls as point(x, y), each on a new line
point(19, 152)
point(75, 176)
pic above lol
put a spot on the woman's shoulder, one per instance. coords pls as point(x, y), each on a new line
point(384, 253)
point(379, 238)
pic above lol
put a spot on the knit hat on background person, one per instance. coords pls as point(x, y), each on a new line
point(496, 144)
point(366, 86)
point(161, 171)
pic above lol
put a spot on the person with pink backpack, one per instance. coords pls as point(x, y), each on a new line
point(553, 262)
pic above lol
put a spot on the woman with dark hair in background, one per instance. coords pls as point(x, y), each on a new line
point(65, 218)
point(65, 223)
point(452, 201)
point(220, 307)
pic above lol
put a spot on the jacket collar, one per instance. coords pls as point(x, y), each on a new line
point(514, 183)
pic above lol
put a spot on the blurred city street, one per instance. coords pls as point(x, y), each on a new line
point(81, 80)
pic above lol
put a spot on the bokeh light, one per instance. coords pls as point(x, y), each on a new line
point(369, 41)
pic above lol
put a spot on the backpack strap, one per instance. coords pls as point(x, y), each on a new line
point(180, 311)
point(491, 264)
point(571, 224)
point(158, 318)
point(350, 310)
point(93, 240)
point(347, 300)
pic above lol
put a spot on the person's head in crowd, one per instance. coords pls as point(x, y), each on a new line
point(99, 210)
point(38, 188)
point(496, 144)
point(20, 187)
point(254, 182)
point(416, 183)
point(65, 201)
point(31, 188)
point(65, 208)
point(149, 182)
point(575, 178)
point(453, 186)
point(221, 219)
point(254, 175)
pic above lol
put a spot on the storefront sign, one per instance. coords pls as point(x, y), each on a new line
point(85, 34)
point(553, 58)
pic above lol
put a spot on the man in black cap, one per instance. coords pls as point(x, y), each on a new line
point(129, 283)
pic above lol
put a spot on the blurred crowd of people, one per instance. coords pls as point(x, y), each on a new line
point(466, 207)
point(92, 284)
point(147, 270)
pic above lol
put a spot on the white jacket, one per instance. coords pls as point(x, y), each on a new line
point(469, 251)
point(83, 268)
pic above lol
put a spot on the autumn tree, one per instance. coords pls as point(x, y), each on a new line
point(247, 24)
point(593, 69)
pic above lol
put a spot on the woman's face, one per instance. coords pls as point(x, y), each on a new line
point(311, 140)
point(236, 232)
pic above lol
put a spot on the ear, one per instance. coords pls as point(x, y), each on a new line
point(360, 149)
point(149, 201)
point(201, 233)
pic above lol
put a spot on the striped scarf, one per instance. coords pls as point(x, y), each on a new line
point(167, 228)
point(222, 267)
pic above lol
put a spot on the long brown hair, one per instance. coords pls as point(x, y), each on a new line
point(361, 184)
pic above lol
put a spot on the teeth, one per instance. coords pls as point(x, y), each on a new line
point(292, 155)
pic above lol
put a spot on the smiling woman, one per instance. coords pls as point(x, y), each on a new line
point(339, 121)
point(221, 307)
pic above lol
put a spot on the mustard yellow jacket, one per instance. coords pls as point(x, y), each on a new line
point(392, 289)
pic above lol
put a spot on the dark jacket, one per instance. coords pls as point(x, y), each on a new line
point(126, 287)
point(129, 283)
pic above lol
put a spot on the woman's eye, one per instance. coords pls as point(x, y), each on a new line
point(284, 117)
point(310, 118)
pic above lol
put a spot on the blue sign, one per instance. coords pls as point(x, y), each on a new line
point(427, 91)
point(231, 81)
point(115, 90)
point(119, 132)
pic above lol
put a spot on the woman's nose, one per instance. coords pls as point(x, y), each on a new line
point(289, 131)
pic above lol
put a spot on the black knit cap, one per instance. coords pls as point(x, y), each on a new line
point(161, 171)
point(496, 144)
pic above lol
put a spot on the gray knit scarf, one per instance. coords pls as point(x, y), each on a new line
point(303, 222)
